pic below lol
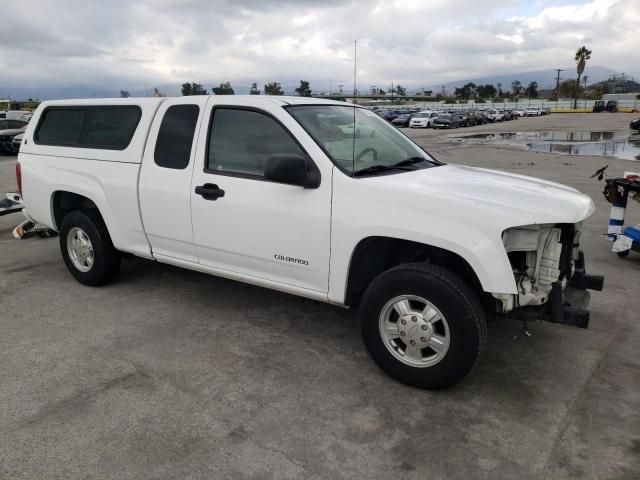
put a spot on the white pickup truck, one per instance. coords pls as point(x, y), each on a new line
point(273, 192)
point(494, 115)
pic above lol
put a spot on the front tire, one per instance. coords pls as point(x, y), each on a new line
point(423, 325)
point(87, 249)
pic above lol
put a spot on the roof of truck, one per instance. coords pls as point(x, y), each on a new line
point(277, 99)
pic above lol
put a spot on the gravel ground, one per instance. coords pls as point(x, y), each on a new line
point(173, 374)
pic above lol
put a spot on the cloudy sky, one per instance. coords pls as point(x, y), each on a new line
point(133, 44)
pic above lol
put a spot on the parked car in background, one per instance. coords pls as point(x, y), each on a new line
point(495, 115)
point(388, 115)
point(508, 114)
point(16, 115)
point(461, 117)
point(361, 130)
point(16, 142)
point(423, 119)
point(474, 118)
point(546, 111)
point(8, 130)
point(532, 112)
point(520, 112)
point(446, 120)
point(401, 120)
point(635, 125)
point(485, 116)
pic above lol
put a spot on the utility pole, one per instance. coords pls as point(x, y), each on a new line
point(392, 94)
point(585, 90)
point(355, 59)
point(558, 70)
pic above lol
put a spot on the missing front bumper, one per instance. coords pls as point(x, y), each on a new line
point(569, 305)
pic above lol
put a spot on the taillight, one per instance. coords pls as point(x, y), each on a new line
point(19, 177)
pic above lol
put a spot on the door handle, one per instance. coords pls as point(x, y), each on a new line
point(209, 191)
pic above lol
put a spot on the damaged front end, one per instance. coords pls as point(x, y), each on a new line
point(549, 272)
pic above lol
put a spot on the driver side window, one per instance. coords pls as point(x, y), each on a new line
point(241, 141)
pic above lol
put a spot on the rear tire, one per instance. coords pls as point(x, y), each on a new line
point(624, 254)
point(87, 249)
point(445, 348)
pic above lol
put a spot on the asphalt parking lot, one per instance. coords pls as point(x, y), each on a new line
point(174, 374)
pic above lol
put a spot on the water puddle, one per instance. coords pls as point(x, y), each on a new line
point(615, 144)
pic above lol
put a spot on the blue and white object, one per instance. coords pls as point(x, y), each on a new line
point(623, 240)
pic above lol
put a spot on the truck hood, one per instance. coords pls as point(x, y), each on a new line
point(490, 196)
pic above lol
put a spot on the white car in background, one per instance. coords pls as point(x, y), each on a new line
point(16, 142)
point(532, 112)
point(16, 115)
point(423, 119)
point(520, 112)
point(361, 130)
point(494, 115)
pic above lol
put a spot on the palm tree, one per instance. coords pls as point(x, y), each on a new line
point(582, 55)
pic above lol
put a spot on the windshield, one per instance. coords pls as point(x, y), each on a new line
point(368, 145)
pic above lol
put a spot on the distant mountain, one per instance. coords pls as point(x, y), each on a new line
point(545, 78)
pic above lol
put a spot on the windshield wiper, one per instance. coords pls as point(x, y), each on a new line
point(406, 165)
point(383, 168)
point(411, 161)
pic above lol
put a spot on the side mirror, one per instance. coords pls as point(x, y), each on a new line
point(292, 170)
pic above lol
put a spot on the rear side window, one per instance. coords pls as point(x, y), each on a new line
point(108, 127)
point(175, 138)
point(60, 127)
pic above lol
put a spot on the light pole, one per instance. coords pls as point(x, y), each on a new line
point(585, 90)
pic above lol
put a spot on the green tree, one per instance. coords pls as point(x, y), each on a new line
point(124, 94)
point(193, 89)
point(224, 89)
point(582, 55)
point(467, 91)
point(304, 90)
point(273, 88)
point(516, 88)
point(568, 88)
point(486, 91)
point(398, 90)
point(532, 90)
point(254, 89)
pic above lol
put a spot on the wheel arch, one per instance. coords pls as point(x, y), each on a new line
point(63, 202)
point(376, 254)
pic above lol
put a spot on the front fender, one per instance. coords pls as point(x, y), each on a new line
point(486, 256)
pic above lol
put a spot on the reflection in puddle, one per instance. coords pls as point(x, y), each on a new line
point(616, 144)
